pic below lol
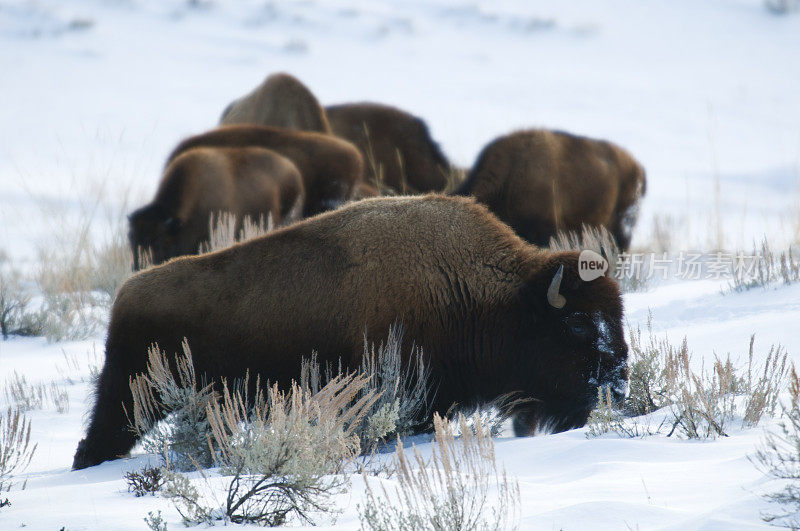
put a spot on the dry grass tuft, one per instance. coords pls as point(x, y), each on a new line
point(455, 178)
point(27, 397)
point(602, 242)
point(16, 450)
point(700, 404)
point(223, 234)
point(461, 487)
point(769, 268)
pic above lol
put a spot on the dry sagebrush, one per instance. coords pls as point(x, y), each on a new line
point(281, 454)
point(461, 486)
point(286, 454)
point(181, 440)
point(403, 391)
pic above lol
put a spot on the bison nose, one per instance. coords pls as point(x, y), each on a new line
point(619, 390)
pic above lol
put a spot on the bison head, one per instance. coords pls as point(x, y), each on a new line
point(152, 229)
point(575, 345)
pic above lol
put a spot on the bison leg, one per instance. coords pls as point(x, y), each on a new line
point(534, 230)
point(624, 224)
point(109, 435)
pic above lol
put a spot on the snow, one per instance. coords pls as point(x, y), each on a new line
point(703, 92)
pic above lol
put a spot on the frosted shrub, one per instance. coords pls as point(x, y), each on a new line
point(649, 385)
point(284, 457)
point(284, 452)
point(155, 522)
point(460, 488)
point(403, 392)
point(186, 499)
point(702, 404)
point(182, 438)
point(779, 457)
point(16, 317)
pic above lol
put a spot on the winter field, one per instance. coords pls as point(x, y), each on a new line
point(704, 93)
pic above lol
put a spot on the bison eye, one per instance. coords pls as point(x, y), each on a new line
point(577, 325)
point(578, 329)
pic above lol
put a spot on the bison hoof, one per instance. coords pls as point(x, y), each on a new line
point(82, 458)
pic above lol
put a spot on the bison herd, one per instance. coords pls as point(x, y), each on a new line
point(463, 269)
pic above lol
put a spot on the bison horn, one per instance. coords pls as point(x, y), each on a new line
point(555, 299)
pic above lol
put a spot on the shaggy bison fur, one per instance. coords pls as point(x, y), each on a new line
point(493, 314)
point(202, 182)
point(541, 182)
point(281, 101)
point(331, 167)
point(396, 143)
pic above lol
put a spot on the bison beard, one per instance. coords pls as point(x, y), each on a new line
point(493, 314)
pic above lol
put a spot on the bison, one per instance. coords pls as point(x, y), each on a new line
point(396, 143)
point(492, 314)
point(281, 101)
point(331, 167)
point(202, 182)
point(541, 182)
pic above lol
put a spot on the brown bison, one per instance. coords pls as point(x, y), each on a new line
point(493, 314)
point(202, 182)
point(541, 182)
point(281, 101)
point(395, 143)
point(331, 167)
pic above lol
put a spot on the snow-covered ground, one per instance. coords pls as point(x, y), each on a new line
point(567, 481)
point(704, 92)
